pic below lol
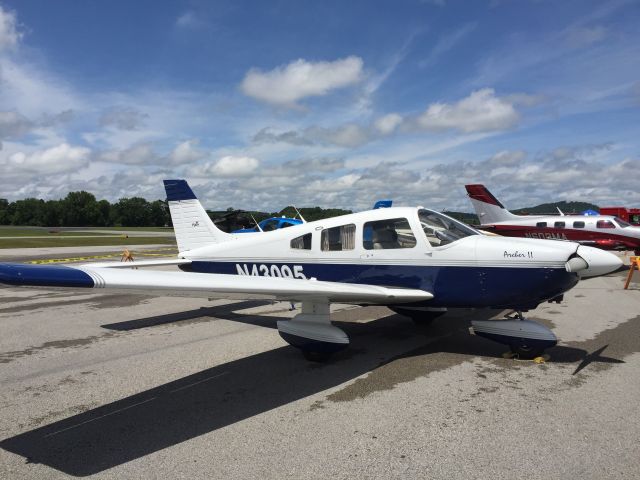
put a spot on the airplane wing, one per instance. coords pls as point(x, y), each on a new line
point(205, 285)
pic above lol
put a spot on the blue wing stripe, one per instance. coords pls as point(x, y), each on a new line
point(40, 275)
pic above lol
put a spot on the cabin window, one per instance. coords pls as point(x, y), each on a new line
point(541, 224)
point(559, 225)
point(302, 242)
point(338, 238)
point(442, 230)
point(388, 234)
point(578, 224)
point(270, 225)
point(605, 224)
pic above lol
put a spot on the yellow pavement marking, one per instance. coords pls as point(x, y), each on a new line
point(146, 253)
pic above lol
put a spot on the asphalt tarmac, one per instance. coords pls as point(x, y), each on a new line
point(114, 386)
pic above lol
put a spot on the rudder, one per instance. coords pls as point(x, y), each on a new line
point(487, 207)
point(191, 224)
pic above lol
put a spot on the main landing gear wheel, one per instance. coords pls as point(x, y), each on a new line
point(312, 333)
point(525, 351)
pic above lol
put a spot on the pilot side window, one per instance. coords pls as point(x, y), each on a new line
point(559, 225)
point(541, 224)
point(578, 224)
point(302, 243)
point(605, 224)
point(621, 223)
point(338, 238)
point(441, 230)
point(388, 234)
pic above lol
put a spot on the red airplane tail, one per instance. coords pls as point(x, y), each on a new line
point(487, 207)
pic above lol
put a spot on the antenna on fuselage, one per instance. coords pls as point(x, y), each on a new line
point(561, 214)
point(299, 214)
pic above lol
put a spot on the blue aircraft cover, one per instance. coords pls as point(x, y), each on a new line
point(590, 212)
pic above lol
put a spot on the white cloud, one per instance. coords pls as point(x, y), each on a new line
point(12, 124)
point(9, 34)
point(189, 19)
point(350, 135)
point(481, 111)
point(285, 85)
point(228, 166)
point(186, 152)
point(139, 154)
point(33, 91)
point(388, 123)
point(123, 118)
point(59, 159)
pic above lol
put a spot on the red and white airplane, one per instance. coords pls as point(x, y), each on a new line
point(602, 231)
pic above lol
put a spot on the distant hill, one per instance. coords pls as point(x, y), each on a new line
point(230, 219)
point(542, 209)
point(317, 213)
point(468, 218)
point(550, 208)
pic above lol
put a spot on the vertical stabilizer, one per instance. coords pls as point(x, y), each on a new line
point(192, 225)
point(487, 207)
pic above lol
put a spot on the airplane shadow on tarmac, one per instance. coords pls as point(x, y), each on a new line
point(147, 422)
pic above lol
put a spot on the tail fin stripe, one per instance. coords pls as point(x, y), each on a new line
point(480, 193)
point(178, 190)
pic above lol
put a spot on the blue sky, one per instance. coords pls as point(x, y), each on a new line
point(264, 104)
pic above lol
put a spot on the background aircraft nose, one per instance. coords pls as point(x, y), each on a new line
point(599, 261)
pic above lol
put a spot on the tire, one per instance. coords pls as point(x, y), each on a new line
point(524, 351)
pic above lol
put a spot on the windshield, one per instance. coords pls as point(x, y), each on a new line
point(442, 230)
point(622, 223)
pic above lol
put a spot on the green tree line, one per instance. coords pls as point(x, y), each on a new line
point(81, 209)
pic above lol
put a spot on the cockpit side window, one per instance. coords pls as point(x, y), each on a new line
point(338, 238)
point(621, 223)
point(388, 234)
point(441, 230)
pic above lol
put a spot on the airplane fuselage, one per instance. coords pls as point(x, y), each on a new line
point(471, 271)
point(600, 231)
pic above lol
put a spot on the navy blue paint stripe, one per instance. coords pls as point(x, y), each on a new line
point(178, 190)
point(517, 288)
point(43, 275)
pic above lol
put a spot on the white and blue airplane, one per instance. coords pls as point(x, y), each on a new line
point(416, 261)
